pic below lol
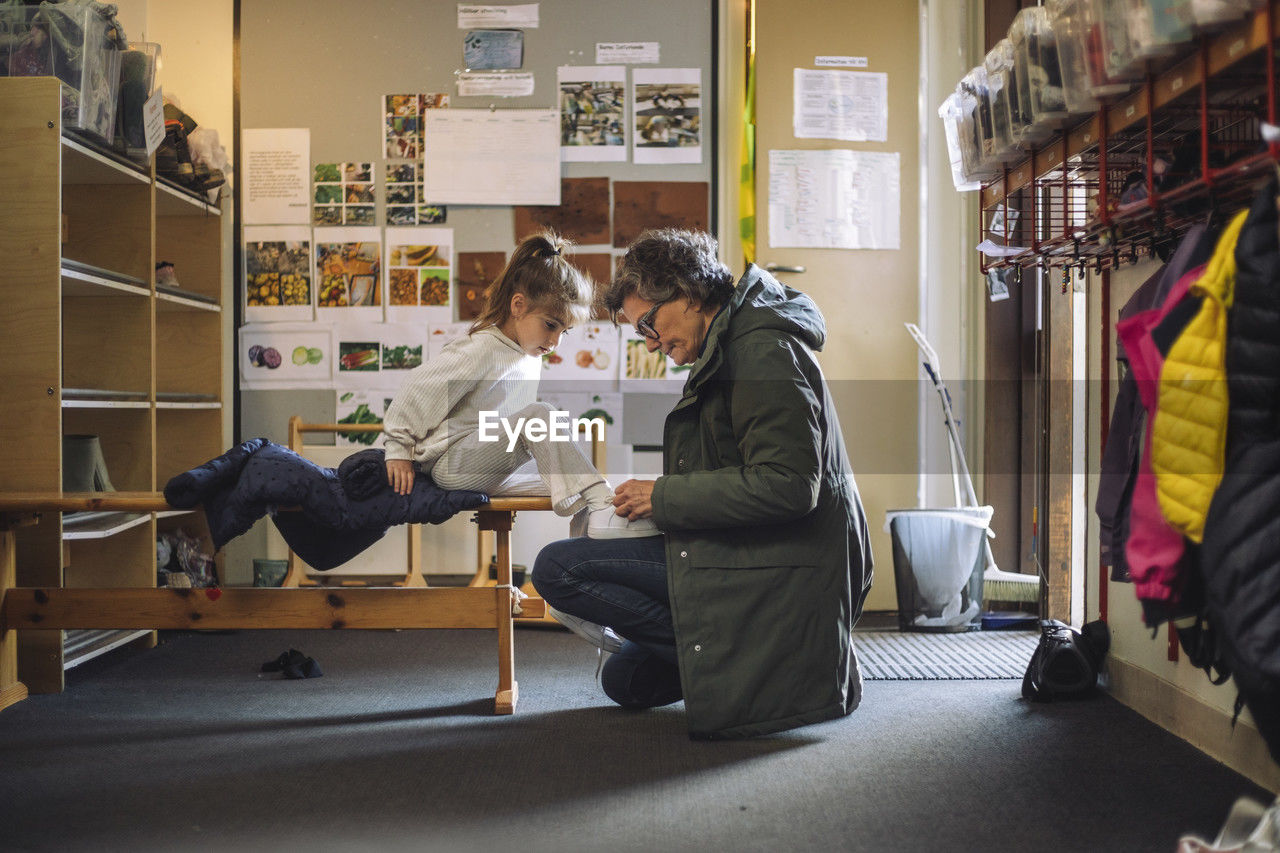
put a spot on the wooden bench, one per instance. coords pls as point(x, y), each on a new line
point(57, 608)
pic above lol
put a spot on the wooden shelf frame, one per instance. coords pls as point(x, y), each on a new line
point(83, 228)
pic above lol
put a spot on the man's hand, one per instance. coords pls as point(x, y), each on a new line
point(634, 499)
point(400, 475)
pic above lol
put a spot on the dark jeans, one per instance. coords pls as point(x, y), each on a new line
point(622, 584)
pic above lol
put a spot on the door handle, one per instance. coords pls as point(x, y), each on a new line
point(783, 268)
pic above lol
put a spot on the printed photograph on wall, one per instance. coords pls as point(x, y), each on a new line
point(439, 335)
point(342, 194)
point(277, 273)
point(473, 274)
point(405, 204)
point(280, 355)
point(643, 370)
point(493, 50)
point(348, 264)
point(667, 108)
point(377, 354)
point(402, 123)
point(363, 407)
point(419, 264)
point(592, 113)
point(589, 405)
point(587, 357)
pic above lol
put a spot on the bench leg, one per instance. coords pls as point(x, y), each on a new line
point(508, 691)
point(11, 689)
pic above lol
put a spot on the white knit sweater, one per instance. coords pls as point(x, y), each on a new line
point(441, 401)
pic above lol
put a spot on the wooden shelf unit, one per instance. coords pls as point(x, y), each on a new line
point(82, 231)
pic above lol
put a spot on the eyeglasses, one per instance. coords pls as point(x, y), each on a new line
point(645, 324)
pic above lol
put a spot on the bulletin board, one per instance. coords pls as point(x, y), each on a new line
point(325, 66)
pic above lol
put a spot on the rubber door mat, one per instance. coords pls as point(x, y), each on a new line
point(976, 655)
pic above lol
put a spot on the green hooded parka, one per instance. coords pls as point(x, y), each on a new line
point(768, 559)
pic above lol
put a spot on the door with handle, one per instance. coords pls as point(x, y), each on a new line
point(865, 295)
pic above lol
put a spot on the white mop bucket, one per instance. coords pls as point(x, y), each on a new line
point(938, 563)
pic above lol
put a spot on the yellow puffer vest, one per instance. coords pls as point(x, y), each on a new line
point(1189, 430)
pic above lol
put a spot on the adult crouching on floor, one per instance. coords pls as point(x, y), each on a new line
point(744, 606)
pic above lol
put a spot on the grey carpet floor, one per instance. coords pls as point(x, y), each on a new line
point(187, 747)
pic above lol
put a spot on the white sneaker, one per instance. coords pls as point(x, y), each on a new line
point(597, 635)
point(607, 524)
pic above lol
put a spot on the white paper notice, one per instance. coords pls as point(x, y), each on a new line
point(492, 156)
point(153, 121)
point(277, 181)
point(667, 109)
point(626, 52)
point(841, 61)
point(995, 250)
point(834, 199)
point(524, 15)
point(850, 105)
point(495, 84)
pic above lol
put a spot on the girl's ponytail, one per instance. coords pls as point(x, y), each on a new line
point(539, 269)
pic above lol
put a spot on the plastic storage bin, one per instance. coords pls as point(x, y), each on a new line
point(1070, 30)
point(1208, 15)
point(73, 43)
point(975, 123)
point(1002, 93)
point(960, 148)
point(938, 564)
point(1037, 72)
point(1157, 27)
point(1109, 52)
point(137, 84)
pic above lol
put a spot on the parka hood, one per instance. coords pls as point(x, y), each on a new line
point(760, 301)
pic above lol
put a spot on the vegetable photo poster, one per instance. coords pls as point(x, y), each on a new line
point(585, 360)
point(588, 405)
point(402, 122)
point(648, 371)
point(362, 407)
point(348, 271)
point(376, 355)
point(419, 278)
point(342, 194)
point(278, 285)
point(405, 201)
point(285, 355)
point(440, 335)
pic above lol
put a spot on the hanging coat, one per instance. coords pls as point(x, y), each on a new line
point(1155, 551)
point(1189, 429)
point(1240, 559)
point(1126, 437)
point(768, 558)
